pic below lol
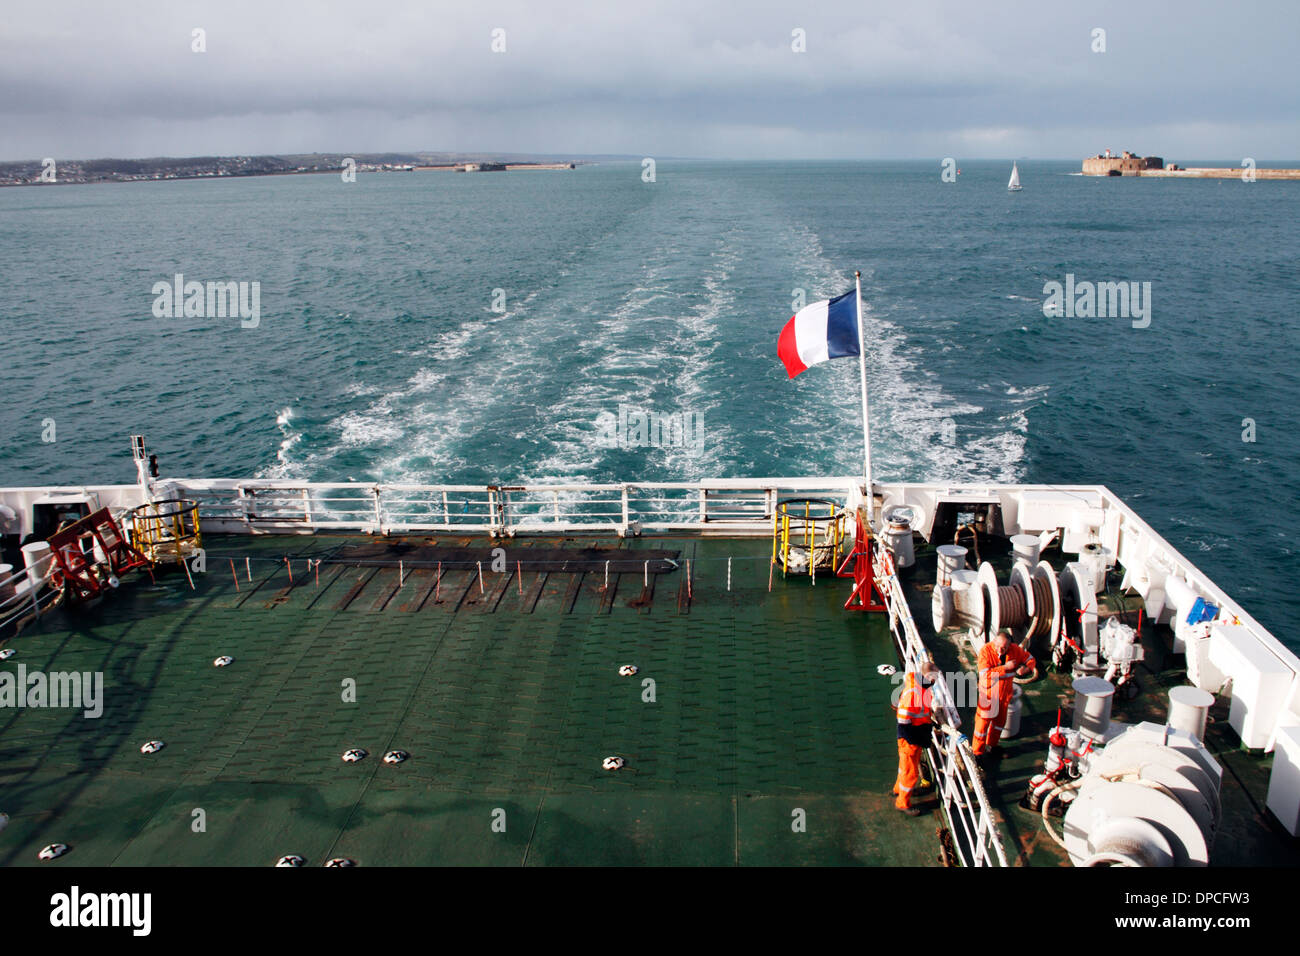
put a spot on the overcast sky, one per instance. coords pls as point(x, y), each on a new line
point(970, 79)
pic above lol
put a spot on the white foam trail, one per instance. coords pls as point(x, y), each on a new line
point(910, 437)
point(284, 467)
point(408, 418)
point(656, 350)
point(627, 366)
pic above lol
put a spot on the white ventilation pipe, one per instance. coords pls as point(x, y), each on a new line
point(952, 557)
point(1189, 708)
point(36, 558)
point(1026, 547)
point(1092, 702)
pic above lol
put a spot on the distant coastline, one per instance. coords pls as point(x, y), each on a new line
point(58, 172)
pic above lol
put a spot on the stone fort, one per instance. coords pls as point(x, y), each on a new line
point(1126, 164)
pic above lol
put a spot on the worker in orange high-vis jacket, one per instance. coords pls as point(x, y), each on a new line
point(914, 728)
point(1000, 661)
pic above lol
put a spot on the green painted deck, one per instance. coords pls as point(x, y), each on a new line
point(765, 704)
point(508, 699)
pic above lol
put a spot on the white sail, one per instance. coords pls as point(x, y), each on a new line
point(1015, 178)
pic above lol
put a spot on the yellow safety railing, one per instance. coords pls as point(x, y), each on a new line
point(167, 530)
point(811, 528)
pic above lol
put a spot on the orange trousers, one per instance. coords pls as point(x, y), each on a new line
point(909, 773)
point(988, 730)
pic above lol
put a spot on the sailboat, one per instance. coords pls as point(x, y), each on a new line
point(1014, 185)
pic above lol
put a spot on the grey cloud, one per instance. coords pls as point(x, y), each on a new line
point(886, 79)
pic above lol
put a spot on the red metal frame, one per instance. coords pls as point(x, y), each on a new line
point(866, 594)
point(79, 573)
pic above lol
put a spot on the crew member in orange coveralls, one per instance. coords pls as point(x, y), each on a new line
point(999, 662)
point(914, 729)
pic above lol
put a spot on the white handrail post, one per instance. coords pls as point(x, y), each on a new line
point(35, 586)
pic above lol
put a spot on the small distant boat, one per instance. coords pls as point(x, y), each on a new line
point(1014, 185)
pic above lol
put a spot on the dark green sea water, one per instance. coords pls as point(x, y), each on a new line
point(379, 356)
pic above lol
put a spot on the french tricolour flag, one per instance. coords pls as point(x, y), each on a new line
point(820, 331)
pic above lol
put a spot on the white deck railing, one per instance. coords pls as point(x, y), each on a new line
point(971, 821)
point(23, 596)
point(733, 506)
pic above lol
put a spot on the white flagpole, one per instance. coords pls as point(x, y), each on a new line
point(866, 421)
